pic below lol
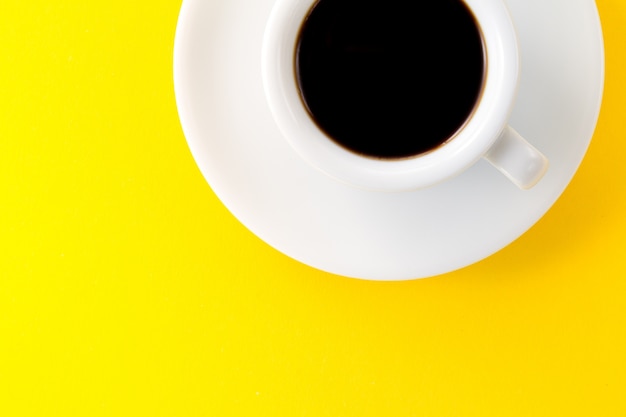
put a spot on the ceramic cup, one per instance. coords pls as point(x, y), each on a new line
point(485, 133)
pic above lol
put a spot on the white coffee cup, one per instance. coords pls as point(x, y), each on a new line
point(485, 134)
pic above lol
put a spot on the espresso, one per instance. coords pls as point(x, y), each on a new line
point(390, 79)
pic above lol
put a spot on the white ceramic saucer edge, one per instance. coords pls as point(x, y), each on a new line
point(360, 234)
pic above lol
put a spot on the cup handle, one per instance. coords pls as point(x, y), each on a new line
point(517, 159)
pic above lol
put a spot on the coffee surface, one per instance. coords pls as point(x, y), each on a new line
point(390, 79)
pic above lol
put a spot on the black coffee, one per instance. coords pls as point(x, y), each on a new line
point(390, 78)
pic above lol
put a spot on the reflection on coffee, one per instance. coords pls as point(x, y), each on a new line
point(390, 79)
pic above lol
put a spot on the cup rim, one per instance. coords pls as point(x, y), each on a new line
point(469, 144)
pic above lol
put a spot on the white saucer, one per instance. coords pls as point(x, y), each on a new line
point(380, 236)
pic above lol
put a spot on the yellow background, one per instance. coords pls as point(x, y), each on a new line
point(127, 289)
